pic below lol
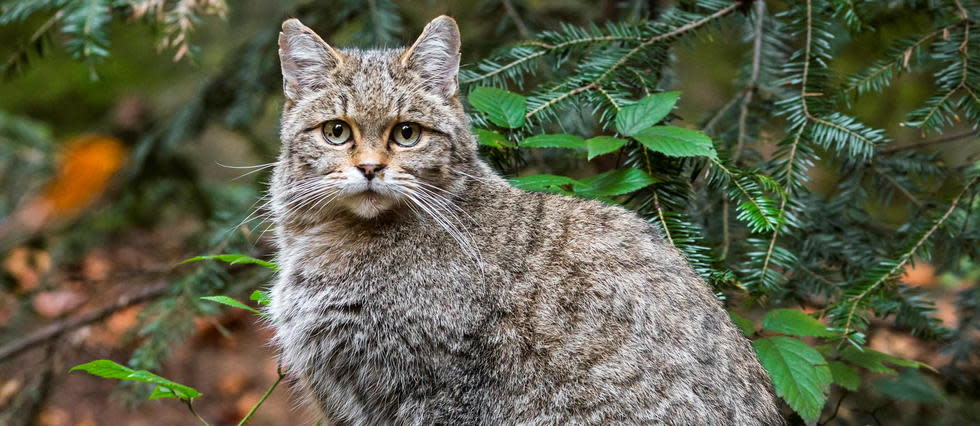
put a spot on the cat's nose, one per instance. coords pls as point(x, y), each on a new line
point(369, 170)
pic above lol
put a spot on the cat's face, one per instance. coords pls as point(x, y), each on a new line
point(368, 131)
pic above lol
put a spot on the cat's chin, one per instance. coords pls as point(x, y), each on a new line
point(368, 205)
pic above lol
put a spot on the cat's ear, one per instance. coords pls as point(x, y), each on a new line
point(436, 56)
point(306, 59)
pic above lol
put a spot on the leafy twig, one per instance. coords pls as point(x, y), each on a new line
point(903, 259)
point(190, 406)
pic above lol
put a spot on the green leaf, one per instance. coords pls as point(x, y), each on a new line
point(794, 322)
point(910, 386)
point(260, 297)
point(225, 300)
point(677, 142)
point(744, 324)
point(646, 112)
point(105, 369)
point(799, 373)
point(844, 375)
point(615, 182)
point(544, 183)
point(503, 108)
point(600, 145)
point(235, 259)
point(182, 391)
point(875, 361)
point(553, 141)
point(110, 370)
point(492, 139)
point(160, 392)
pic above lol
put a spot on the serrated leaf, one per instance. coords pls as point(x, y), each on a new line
point(844, 375)
point(260, 297)
point(646, 112)
point(615, 182)
point(503, 108)
point(225, 300)
point(677, 142)
point(910, 386)
point(492, 139)
point(182, 391)
point(875, 361)
point(799, 373)
point(544, 183)
point(795, 323)
point(744, 324)
point(104, 368)
point(600, 145)
point(553, 141)
point(111, 370)
point(234, 259)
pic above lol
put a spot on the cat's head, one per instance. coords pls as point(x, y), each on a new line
point(364, 131)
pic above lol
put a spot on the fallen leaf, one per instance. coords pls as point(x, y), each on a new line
point(923, 274)
point(53, 417)
point(52, 304)
point(232, 384)
point(27, 266)
point(8, 390)
point(96, 266)
point(245, 403)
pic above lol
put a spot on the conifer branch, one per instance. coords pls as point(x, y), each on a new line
point(903, 259)
point(629, 54)
point(903, 58)
point(897, 185)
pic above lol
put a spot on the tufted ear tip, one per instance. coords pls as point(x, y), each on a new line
point(305, 58)
point(445, 20)
point(292, 24)
point(436, 54)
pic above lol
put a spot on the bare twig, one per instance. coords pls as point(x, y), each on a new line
point(190, 406)
point(518, 22)
point(836, 409)
point(895, 183)
point(54, 330)
point(750, 88)
point(943, 140)
point(747, 94)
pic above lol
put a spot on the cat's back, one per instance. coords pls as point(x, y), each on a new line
point(615, 324)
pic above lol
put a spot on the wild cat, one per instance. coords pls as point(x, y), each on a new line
point(418, 287)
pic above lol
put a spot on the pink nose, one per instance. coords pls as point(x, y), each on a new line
point(369, 170)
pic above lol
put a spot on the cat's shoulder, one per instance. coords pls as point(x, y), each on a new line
point(595, 222)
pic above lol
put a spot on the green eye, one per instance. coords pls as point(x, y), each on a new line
point(336, 132)
point(406, 134)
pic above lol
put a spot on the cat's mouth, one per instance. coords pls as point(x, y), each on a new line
point(370, 202)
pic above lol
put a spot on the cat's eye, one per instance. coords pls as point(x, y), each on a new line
point(336, 132)
point(406, 134)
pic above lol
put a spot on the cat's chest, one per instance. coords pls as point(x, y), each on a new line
point(403, 294)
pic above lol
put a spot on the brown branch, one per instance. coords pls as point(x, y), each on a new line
point(516, 17)
point(750, 88)
point(947, 139)
point(54, 330)
point(897, 185)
